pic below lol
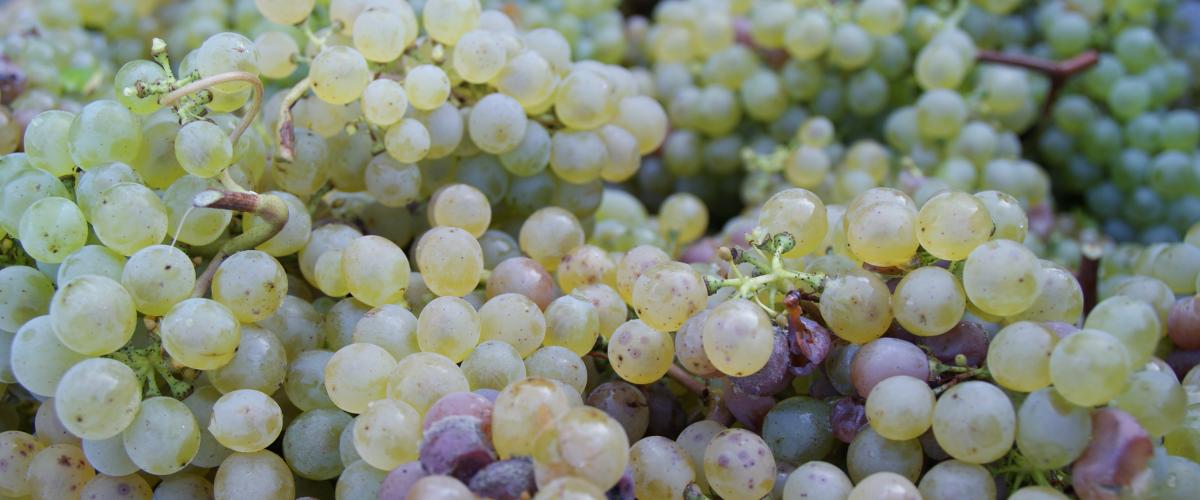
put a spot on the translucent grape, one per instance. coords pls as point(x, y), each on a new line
point(58, 471)
point(870, 453)
point(260, 364)
point(738, 337)
point(667, 295)
point(339, 74)
point(584, 442)
point(661, 469)
point(108, 456)
point(1019, 356)
point(203, 149)
point(93, 315)
point(387, 434)
point(128, 217)
point(246, 420)
point(97, 398)
point(261, 474)
point(358, 374)
point(952, 224)
point(817, 480)
point(738, 464)
point(22, 190)
point(572, 322)
point(1052, 432)
point(104, 131)
point(1155, 399)
point(277, 50)
point(974, 422)
point(380, 34)
point(427, 87)
point(900, 408)
point(376, 270)
point(163, 438)
point(451, 261)
point(521, 411)
point(422, 378)
point(39, 360)
point(1002, 277)
point(954, 479)
point(211, 452)
point(640, 354)
point(103, 486)
point(548, 234)
point(578, 156)
point(856, 307)
point(497, 124)
point(200, 333)
point(584, 100)
point(46, 141)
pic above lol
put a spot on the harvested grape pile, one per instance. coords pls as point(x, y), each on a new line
point(585, 249)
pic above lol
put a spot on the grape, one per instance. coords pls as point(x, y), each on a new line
point(21, 191)
point(461, 206)
point(46, 141)
point(380, 34)
point(128, 217)
point(1019, 356)
point(48, 428)
point(505, 480)
point(1119, 447)
point(737, 463)
point(211, 452)
point(885, 358)
point(548, 234)
point(521, 411)
point(900, 408)
point(625, 403)
point(661, 468)
point(386, 434)
point(974, 422)
point(158, 277)
point(104, 131)
point(1155, 399)
point(448, 326)
point(200, 333)
point(952, 224)
point(1089, 367)
point(358, 374)
point(797, 430)
point(39, 359)
point(883, 233)
point(929, 301)
point(636, 262)
point(58, 471)
point(25, 294)
point(497, 124)
point(108, 456)
point(53, 228)
point(184, 486)
point(260, 364)
point(303, 176)
point(277, 50)
point(954, 479)
point(451, 261)
point(586, 265)
point(376, 270)
point(400, 480)
point(163, 438)
point(639, 353)
point(18, 450)
point(260, 474)
point(817, 480)
point(339, 74)
point(469, 404)
point(246, 420)
point(194, 226)
point(304, 383)
point(456, 446)
point(116, 487)
point(93, 315)
point(421, 379)
point(1183, 324)
point(738, 337)
point(871, 453)
point(522, 276)
point(579, 156)
point(493, 365)
point(586, 443)
point(427, 87)
point(1051, 432)
point(1001, 277)
point(203, 149)
point(857, 307)
point(97, 398)
point(1060, 299)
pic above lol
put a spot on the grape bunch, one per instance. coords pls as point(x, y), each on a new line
point(466, 249)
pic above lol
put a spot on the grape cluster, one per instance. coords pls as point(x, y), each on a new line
point(460, 249)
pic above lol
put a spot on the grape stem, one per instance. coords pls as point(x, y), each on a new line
point(231, 76)
point(285, 133)
point(747, 286)
point(1088, 273)
point(1058, 72)
point(687, 381)
point(270, 208)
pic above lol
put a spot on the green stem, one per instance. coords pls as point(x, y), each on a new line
point(270, 208)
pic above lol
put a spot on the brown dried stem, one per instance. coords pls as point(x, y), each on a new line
point(270, 208)
point(687, 381)
point(285, 132)
point(1058, 72)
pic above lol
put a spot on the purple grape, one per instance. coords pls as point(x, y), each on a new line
point(1182, 362)
point(1183, 323)
point(773, 377)
point(748, 409)
point(821, 387)
point(807, 341)
point(456, 446)
point(667, 417)
point(395, 486)
point(1119, 452)
point(837, 367)
point(510, 479)
point(883, 358)
point(623, 490)
point(700, 252)
point(847, 417)
point(461, 403)
point(966, 338)
point(624, 403)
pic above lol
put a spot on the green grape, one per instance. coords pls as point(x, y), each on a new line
point(163, 438)
point(25, 294)
point(391, 183)
point(1051, 432)
point(558, 363)
point(583, 428)
point(882, 234)
point(532, 155)
point(568, 487)
point(245, 420)
point(798, 430)
point(48, 428)
point(1178, 266)
point(155, 162)
point(817, 480)
point(953, 479)
point(387, 434)
point(225, 52)
point(376, 270)
point(356, 375)
point(89, 186)
point(941, 113)
point(93, 315)
point(261, 474)
point(185, 222)
point(384, 102)
point(58, 471)
point(1090, 367)
point(666, 295)
point(380, 34)
point(97, 398)
point(251, 284)
point(260, 364)
point(39, 359)
point(483, 172)
point(952, 224)
point(479, 56)
point(108, 456)
point(515, 319)
point(422, 378)
point(277, 51)
point(694, 440)
point(18, 450)
point(522, 410)
point(303, 176)
point(200, 333)
point(295, 231)
point(583, 266)
point(573, 323)
point(391, 327)
point(103, 486)
point(53, 228)
point(645, 119)
point(661, 468)
point(900, 408)
point(857, 307)
point(682, 218)
point(806, 167)
point(340, 319)
point(1060, 299)
point(183, 487)
point(881, 17)
point(104, 131)
point(448, 326)
point(1156, 400)
point(763, 96)
point(297, 325)
point(732, 476)
point(408, 141)
point(493, 365)
point(584, 100)
point(203, 149)
point(285, 11)
point(1019, 356)
point(129, 217)
point(528, 78)
point(451, 261)
point(640, 354)
point(1007, 215)
point(427, 87)
point(799, 213)
point(23, 190)
point(1133, 322)
point(304, 383)
point(548, 234)
point(158, 277)
point(974, 422)
point(738, 337)
point(929, 301)
point(45, 142)
point(447, 20)
point(807, 36)
point(1002, 277)
point(871, 453)
point(578, 156)
point(497, 124)
point(310, 443)
point(211, 453)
